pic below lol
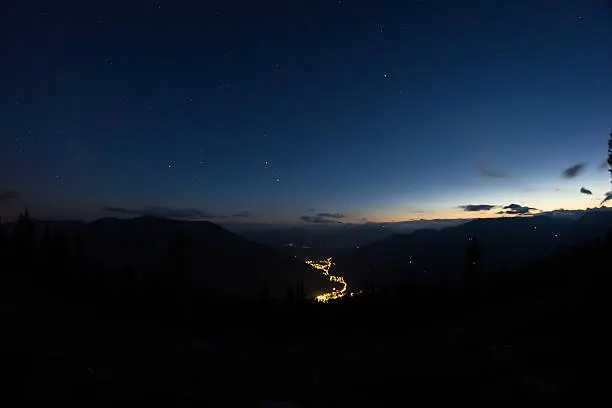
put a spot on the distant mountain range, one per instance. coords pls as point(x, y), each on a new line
point(232, 265)
point(220, 260)
point(430, 255)
point(323, 240)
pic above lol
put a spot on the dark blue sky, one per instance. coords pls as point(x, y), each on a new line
point(386, 110)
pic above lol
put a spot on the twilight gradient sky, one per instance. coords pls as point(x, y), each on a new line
point(285, 111)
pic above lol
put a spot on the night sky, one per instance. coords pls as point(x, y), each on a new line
point(303, 111)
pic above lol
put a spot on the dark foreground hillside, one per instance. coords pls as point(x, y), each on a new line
point(533, 334)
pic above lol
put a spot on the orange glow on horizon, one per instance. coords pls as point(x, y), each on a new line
point(465, 215)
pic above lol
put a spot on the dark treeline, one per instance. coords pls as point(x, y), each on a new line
point(53, 295)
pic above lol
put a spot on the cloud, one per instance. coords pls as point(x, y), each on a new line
point(323, 218)
point(607, 197)
point(243, 214)
point(311, 209)
point(335, 216)
point(517, 209)
point(477, 207)
point(8, 195)
point(486, 171)
point(318, 220)
point(574, 170)
point(586, 191)
point(163, 212)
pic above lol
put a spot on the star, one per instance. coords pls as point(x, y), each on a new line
point(386, 75)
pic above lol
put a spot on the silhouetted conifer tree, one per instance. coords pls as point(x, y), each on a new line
point(4, 261)
point(610, 154)
point(23, 250)
point(300, 290)
point(472, 273)
point(289, 295)
point(23, 235)
point(3, 237)
point(264, 294)
point(178, 280)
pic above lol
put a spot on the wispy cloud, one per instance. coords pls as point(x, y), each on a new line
point(516, 209)
point(163, 212)
point(335, 216)
point(586, 191)
point(607, 197)
point(242, 214)
point(319, 220)
point(574, 170)
point(486, 171)
point(477, 207)
point(8, 195)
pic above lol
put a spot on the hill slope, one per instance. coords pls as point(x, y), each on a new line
point(430, 255)
point(223, 262)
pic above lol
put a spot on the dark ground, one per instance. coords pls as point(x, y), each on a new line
point(543, 350)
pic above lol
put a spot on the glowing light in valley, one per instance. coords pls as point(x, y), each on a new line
point(325, 266)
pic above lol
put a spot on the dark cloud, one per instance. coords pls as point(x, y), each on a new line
point(242, 214)
point(607, 197)
point(516, 209)
point(477, 207)
point(586, 191)
point(318, 220)
point(486, 171)
point(163, 212)
point(335, 216)
point(311, 209)
point(573, 171)
point(8, 195)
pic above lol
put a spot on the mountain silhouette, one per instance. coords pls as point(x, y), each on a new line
point(218, 260)
point(434, 255)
